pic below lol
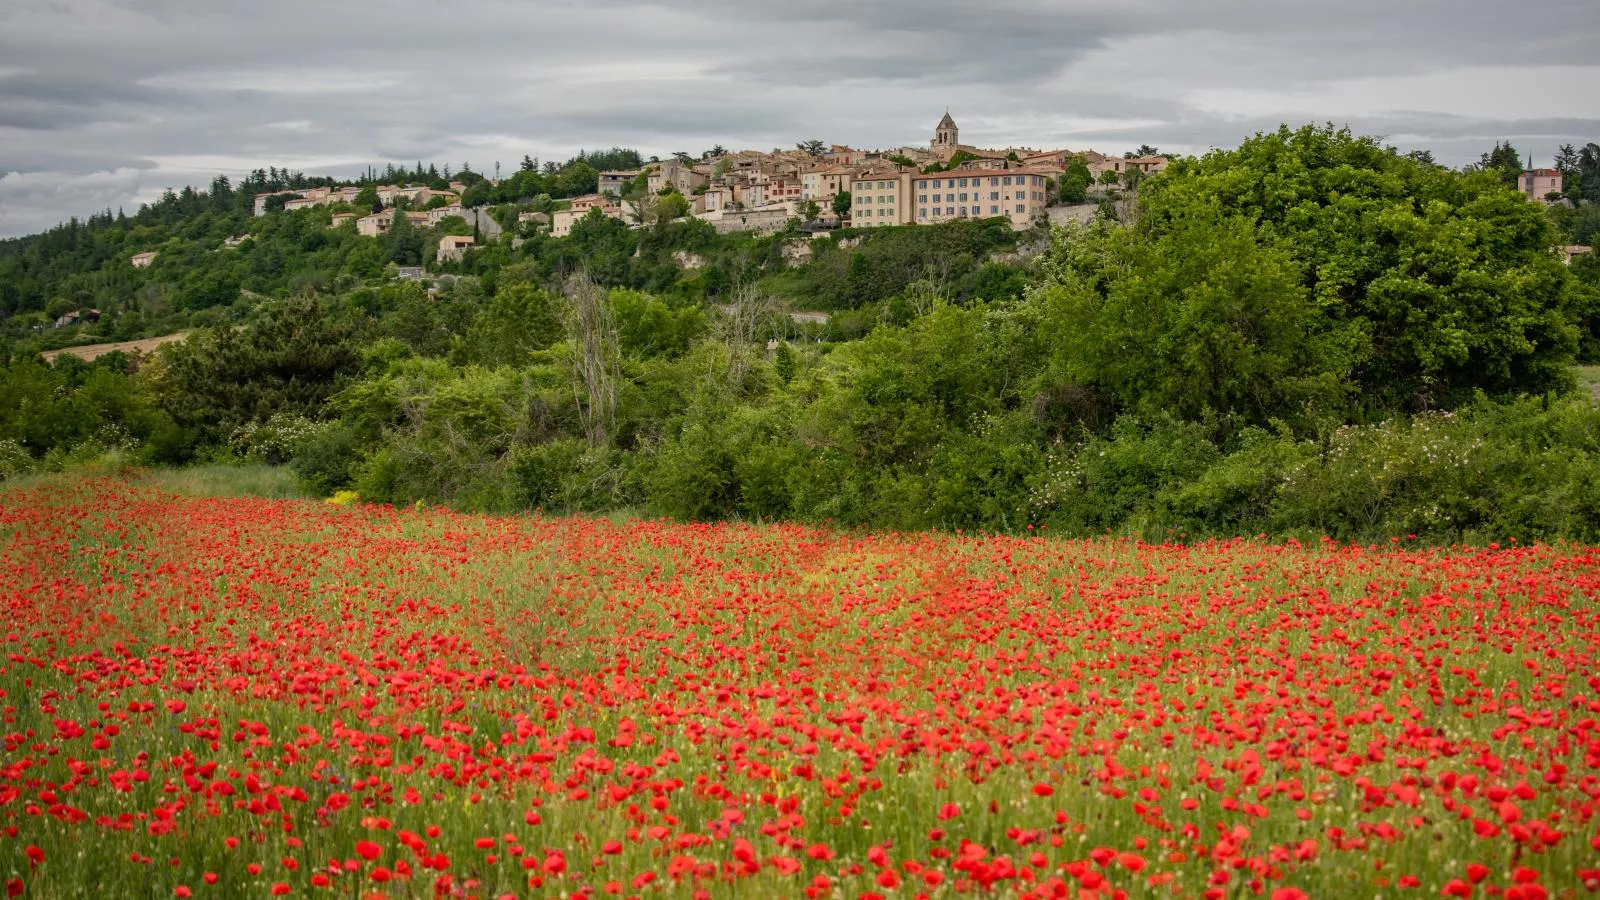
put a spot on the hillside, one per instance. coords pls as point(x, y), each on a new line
point(1311, 334)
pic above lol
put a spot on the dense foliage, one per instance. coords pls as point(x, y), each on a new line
point(1309, 334)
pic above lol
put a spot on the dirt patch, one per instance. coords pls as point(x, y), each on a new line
point(90, 352)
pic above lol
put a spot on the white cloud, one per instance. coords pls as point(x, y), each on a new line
point(32, 201)
point(107, 102)
point(1502, 92)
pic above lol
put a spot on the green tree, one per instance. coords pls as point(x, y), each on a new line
point(1424, 285)
point(671, 206)
point(519, 321)
point(290, 361)
point(1567, 160)
point(841, 204)
point(1075, 181)
point(1210, 318)
point(1504, 161)
point(402, 241)
point(453, 225)
point(1587, 186)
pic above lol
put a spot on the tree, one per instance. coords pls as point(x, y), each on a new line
point(1588, 174)
point(1108, 177)
point(714, 152)
point(1424, 285)
point(743, 326)
point(595, 360)
point(402, 241)
point(274, 203)
point(290, 362)
point(1504, 161)
point(520, 320)
point(642, 209)
point(672, 206)
point(1567, 160)
point(812, 147)
point(809, 211)
point(453, 225)
point(1210, 317)
point(841, 205)
point(1425, 157)
point(1075, 181)
point(367, 199)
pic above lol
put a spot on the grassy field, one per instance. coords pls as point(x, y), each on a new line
point(242, 696)
point(1589, 380)
point(90, 352)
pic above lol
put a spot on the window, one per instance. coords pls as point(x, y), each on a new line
point(1021, 208)
point(993, 181)
point(963, 182)
point(994, 210)
point(963, 210)
point(963, 196)
point(938, 198)
point(1008, 179)
point(994, 195)
point(922, 214)
point(883, 184)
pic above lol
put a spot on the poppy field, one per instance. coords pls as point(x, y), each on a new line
point(247, 697)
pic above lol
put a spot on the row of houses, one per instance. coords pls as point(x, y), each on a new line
point(416, 195)
point(886, 187)
point(380, 222)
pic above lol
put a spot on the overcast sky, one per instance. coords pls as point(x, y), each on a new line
point(104, 103)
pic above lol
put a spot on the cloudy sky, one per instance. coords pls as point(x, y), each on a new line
point(104, 103)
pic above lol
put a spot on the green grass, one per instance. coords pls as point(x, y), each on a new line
point(1589, 381)
point(251, 480)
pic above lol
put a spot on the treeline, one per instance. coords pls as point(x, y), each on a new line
point(1308, 335)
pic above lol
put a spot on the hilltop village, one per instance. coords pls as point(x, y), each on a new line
point(824, 187)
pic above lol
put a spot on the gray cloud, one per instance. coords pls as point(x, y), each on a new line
point(104, 103)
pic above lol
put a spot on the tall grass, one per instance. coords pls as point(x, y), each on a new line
point(246, 480)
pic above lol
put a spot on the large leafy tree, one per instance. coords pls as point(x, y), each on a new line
point(841, 204)
point(290, 362)
point(1346, 264)
point(1075, 181)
